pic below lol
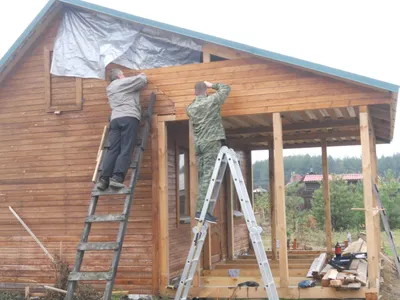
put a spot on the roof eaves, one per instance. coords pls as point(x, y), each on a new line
point(241, 47)
point(25, 34)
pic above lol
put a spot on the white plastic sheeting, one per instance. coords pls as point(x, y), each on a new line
point(87, 42)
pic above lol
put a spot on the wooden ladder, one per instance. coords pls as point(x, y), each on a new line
point(76, 275)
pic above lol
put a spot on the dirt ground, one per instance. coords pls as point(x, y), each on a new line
point(390, 288)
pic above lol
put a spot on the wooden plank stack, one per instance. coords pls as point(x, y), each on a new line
point(353, 278)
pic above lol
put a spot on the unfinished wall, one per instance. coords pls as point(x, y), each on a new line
point(47, 163)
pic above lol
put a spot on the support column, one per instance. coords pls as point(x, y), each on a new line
point(249, 177)
point(280, 200)
point(272, 199)
point(193, 202)
point(373, 255)
point(163, 195)
point(229, 219)
point(327, 200)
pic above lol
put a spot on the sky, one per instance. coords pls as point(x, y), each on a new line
point(356, 36)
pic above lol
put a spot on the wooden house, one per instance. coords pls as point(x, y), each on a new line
point(277, 102)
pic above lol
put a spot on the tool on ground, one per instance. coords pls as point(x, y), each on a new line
point(385, 222)
point(226, 157)
point(76, 275)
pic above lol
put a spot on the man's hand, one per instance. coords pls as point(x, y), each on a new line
point(208, 84)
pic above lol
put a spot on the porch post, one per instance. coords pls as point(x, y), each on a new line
point(163, 196)
point(373, 255)
point(280, 199)
point(272, 199)
point(325, 174)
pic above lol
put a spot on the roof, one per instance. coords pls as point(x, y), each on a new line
point(199, 36)
point(318, 177)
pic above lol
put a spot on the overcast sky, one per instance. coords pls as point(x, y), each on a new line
point(356, 36)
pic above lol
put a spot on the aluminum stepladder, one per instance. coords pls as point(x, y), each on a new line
point(226, 157)
point(385, 222)
point(122, 219)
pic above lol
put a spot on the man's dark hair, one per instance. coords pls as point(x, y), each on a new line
point(200, 88)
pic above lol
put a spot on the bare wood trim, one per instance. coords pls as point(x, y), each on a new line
point(229, 220)
point(177, 203)
point(47, 78)
point(166, 118)
point(206, 56)
point(295, 127)
point(327, 200)
point(155, 206)
point(163, 204)
point(272, 199)
point(207, 256)
point(280, 199)
point(373, 255)
point(193, 190)
point(224, 52)
point(79, 92)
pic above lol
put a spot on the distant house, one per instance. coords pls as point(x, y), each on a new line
point(312, 182)
point(294, 178)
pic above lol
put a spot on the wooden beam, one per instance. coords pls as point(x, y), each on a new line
point(295, 127)
point(206, 56)
point(272, 200)
point(316, 144)
point(249, 176)
point(224, 52)
point(155, 206)
point(373, 254)
point(280, 199)
point(230, 224)
point(163, 204)
point(300, 137)
point(193, 190)
point(325, 175)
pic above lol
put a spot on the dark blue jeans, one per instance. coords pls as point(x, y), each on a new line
point(121, 140)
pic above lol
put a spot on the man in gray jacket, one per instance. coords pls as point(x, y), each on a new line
point(123, 97)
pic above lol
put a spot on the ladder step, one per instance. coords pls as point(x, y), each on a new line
point(76, 276)
point(109, 191)
point(98, 246)
point(133, 165)
point(105, 218)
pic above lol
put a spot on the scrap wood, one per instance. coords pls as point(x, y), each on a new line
point(325, 280)
point(333, 274)
point(32, 234)
point(341, 277)
point(352, 272)
point(350, 279)
point(355, 247)
point(335, 283)
point(351, 286)
point(325, 270)
point(388, 260)
point(362, 272)
point(317, 266)
point(354, 264)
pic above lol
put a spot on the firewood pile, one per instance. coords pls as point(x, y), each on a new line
point(346, 271)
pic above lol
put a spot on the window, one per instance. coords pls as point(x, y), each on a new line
point(182, 167)
point(61, 93)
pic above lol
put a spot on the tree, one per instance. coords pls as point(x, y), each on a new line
point(389, 191)
point(343, 197)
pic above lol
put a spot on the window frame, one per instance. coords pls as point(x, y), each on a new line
point(77, 106)
point(185, 217)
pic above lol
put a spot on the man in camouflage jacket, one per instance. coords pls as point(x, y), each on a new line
point(209, 134)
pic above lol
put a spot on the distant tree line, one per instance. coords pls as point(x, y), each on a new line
point(303, 164)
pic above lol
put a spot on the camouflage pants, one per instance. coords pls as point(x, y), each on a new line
point(206, 157)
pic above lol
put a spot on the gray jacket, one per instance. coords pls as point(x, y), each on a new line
point(124, 97)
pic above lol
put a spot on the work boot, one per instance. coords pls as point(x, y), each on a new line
point(209, 217)
point(116, 183)
point(102, 184)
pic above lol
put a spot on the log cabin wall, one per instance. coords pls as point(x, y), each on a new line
point(47, 163)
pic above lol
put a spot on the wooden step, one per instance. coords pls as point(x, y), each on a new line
point(98, 246)
point(77, 276)
point(105, 218)
point(110, 191)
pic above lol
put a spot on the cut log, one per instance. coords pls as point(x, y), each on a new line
point(362, 272)
point(335, 283)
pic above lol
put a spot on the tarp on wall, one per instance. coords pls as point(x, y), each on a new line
point(87, 42)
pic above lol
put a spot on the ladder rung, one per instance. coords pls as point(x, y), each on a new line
point(109, 191)
point(76, 276)
point(105, 218)
point(133, 165)
point(98, 246)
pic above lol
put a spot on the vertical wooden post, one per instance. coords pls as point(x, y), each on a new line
point(272, 199)
point(249, 177)
point(229, 209)
point(193, 195)
point(163, 195)
point(373, 254)
point(327, 200)
point(155, 206)
point(280, 200)
point(206, 57)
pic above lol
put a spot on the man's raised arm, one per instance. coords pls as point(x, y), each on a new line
point(222, 91)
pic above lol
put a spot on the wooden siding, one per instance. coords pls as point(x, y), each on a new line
point(47, 162)
point(259, 86)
